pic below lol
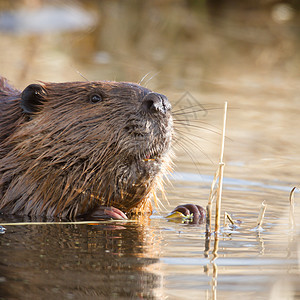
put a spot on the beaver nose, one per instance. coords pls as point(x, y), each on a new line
point(154, 102)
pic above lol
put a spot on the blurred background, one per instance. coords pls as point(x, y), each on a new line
point(192, 44)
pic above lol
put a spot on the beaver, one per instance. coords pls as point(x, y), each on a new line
point(82, 149)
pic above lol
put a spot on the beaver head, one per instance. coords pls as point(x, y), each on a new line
point(78, 145)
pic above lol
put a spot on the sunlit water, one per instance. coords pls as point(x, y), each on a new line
point(159, 259)
point(155, 259)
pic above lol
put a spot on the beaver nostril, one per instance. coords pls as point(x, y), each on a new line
point(154, 102)
point(147, 104)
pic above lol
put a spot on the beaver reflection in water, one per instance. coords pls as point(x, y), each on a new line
point(90, 149)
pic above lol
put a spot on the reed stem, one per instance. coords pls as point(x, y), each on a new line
point(221, 172)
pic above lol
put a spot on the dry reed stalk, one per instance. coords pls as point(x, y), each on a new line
point(212, 196)
point(207, 244)
point(221, 172)
point(227, 217)
point(216, 248)
point(292, 208)
point(261, 215)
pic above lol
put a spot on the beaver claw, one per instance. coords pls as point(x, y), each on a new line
point(107, 212)
point(189, 209)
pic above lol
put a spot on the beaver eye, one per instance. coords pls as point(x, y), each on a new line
point(95, 98)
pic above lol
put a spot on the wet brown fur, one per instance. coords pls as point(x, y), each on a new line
point(71, 155)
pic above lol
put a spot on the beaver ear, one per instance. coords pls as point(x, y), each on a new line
point(32, 98)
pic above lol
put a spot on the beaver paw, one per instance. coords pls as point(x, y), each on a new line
point(197, 211)
point(107, 212)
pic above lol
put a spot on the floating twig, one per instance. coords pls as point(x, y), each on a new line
point(65, 223)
